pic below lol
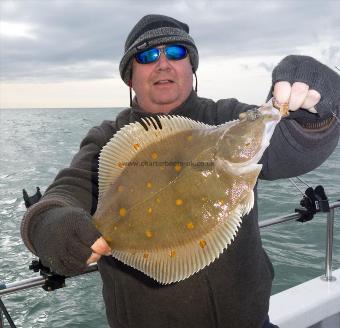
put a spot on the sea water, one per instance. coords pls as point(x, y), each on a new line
point(36, 143)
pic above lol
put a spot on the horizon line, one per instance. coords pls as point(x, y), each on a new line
point(101, 107)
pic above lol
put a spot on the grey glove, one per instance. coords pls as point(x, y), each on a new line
point(319, 77)
point(62, 238)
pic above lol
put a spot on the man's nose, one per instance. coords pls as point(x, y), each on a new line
point(163, 62)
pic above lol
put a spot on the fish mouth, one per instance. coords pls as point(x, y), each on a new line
point(237, 169)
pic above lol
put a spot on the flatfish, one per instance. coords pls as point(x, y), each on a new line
point(173, 191)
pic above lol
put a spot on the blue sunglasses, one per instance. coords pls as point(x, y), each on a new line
point(172, 52)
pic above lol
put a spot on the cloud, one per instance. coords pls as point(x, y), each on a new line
point(73, 39)
point(16, 30)
point(332, 53)
point(268, 67)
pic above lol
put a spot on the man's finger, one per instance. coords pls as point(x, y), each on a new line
point(101, 247)
point(298, 95)
point(93, 258)
point(313, 97)
point(282, 91)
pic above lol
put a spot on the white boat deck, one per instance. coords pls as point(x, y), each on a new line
point(314, 304)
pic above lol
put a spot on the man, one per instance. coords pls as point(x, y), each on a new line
point(158, 64)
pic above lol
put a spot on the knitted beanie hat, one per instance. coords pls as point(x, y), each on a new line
point(154, 30)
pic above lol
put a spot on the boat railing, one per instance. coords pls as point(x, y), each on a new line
point(48, 283)
point(329, 234)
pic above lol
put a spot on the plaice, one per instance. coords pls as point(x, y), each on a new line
point(173, 191)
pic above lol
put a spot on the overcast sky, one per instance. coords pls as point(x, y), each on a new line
point(65, 53)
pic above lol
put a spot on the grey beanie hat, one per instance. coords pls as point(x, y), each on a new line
point(153, 30)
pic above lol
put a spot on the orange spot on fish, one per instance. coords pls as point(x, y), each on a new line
point(148, 233)
point(202, 243)
point(149, 185)
point(149, 210)
point(122, 212)
point(120, 164)
point(146, 255)
point(136, 146)
point(178, 167)
point(190, 225)
point(179, 202)
point(172, 253)
point(154, 155)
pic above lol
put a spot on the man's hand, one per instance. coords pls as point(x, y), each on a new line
point(304, 83)
point(66, 240)
point(99, 248)
point(298, 95)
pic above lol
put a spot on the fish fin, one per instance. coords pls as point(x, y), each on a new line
point(175, 264)
point(248, 203)
point(128, 141)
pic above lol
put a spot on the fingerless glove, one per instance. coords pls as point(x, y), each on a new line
point(317, 76)
point(62, 238)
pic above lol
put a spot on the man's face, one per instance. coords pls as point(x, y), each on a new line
point(163, 85)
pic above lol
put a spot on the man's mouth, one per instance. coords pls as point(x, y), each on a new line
point(160, 82)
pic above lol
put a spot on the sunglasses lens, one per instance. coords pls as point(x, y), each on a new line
point(175, 52)
point(172, 52)
point(147, 56)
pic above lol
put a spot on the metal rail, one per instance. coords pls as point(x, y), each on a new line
point(36, 281)
point(279, 220)
point(329, 247)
